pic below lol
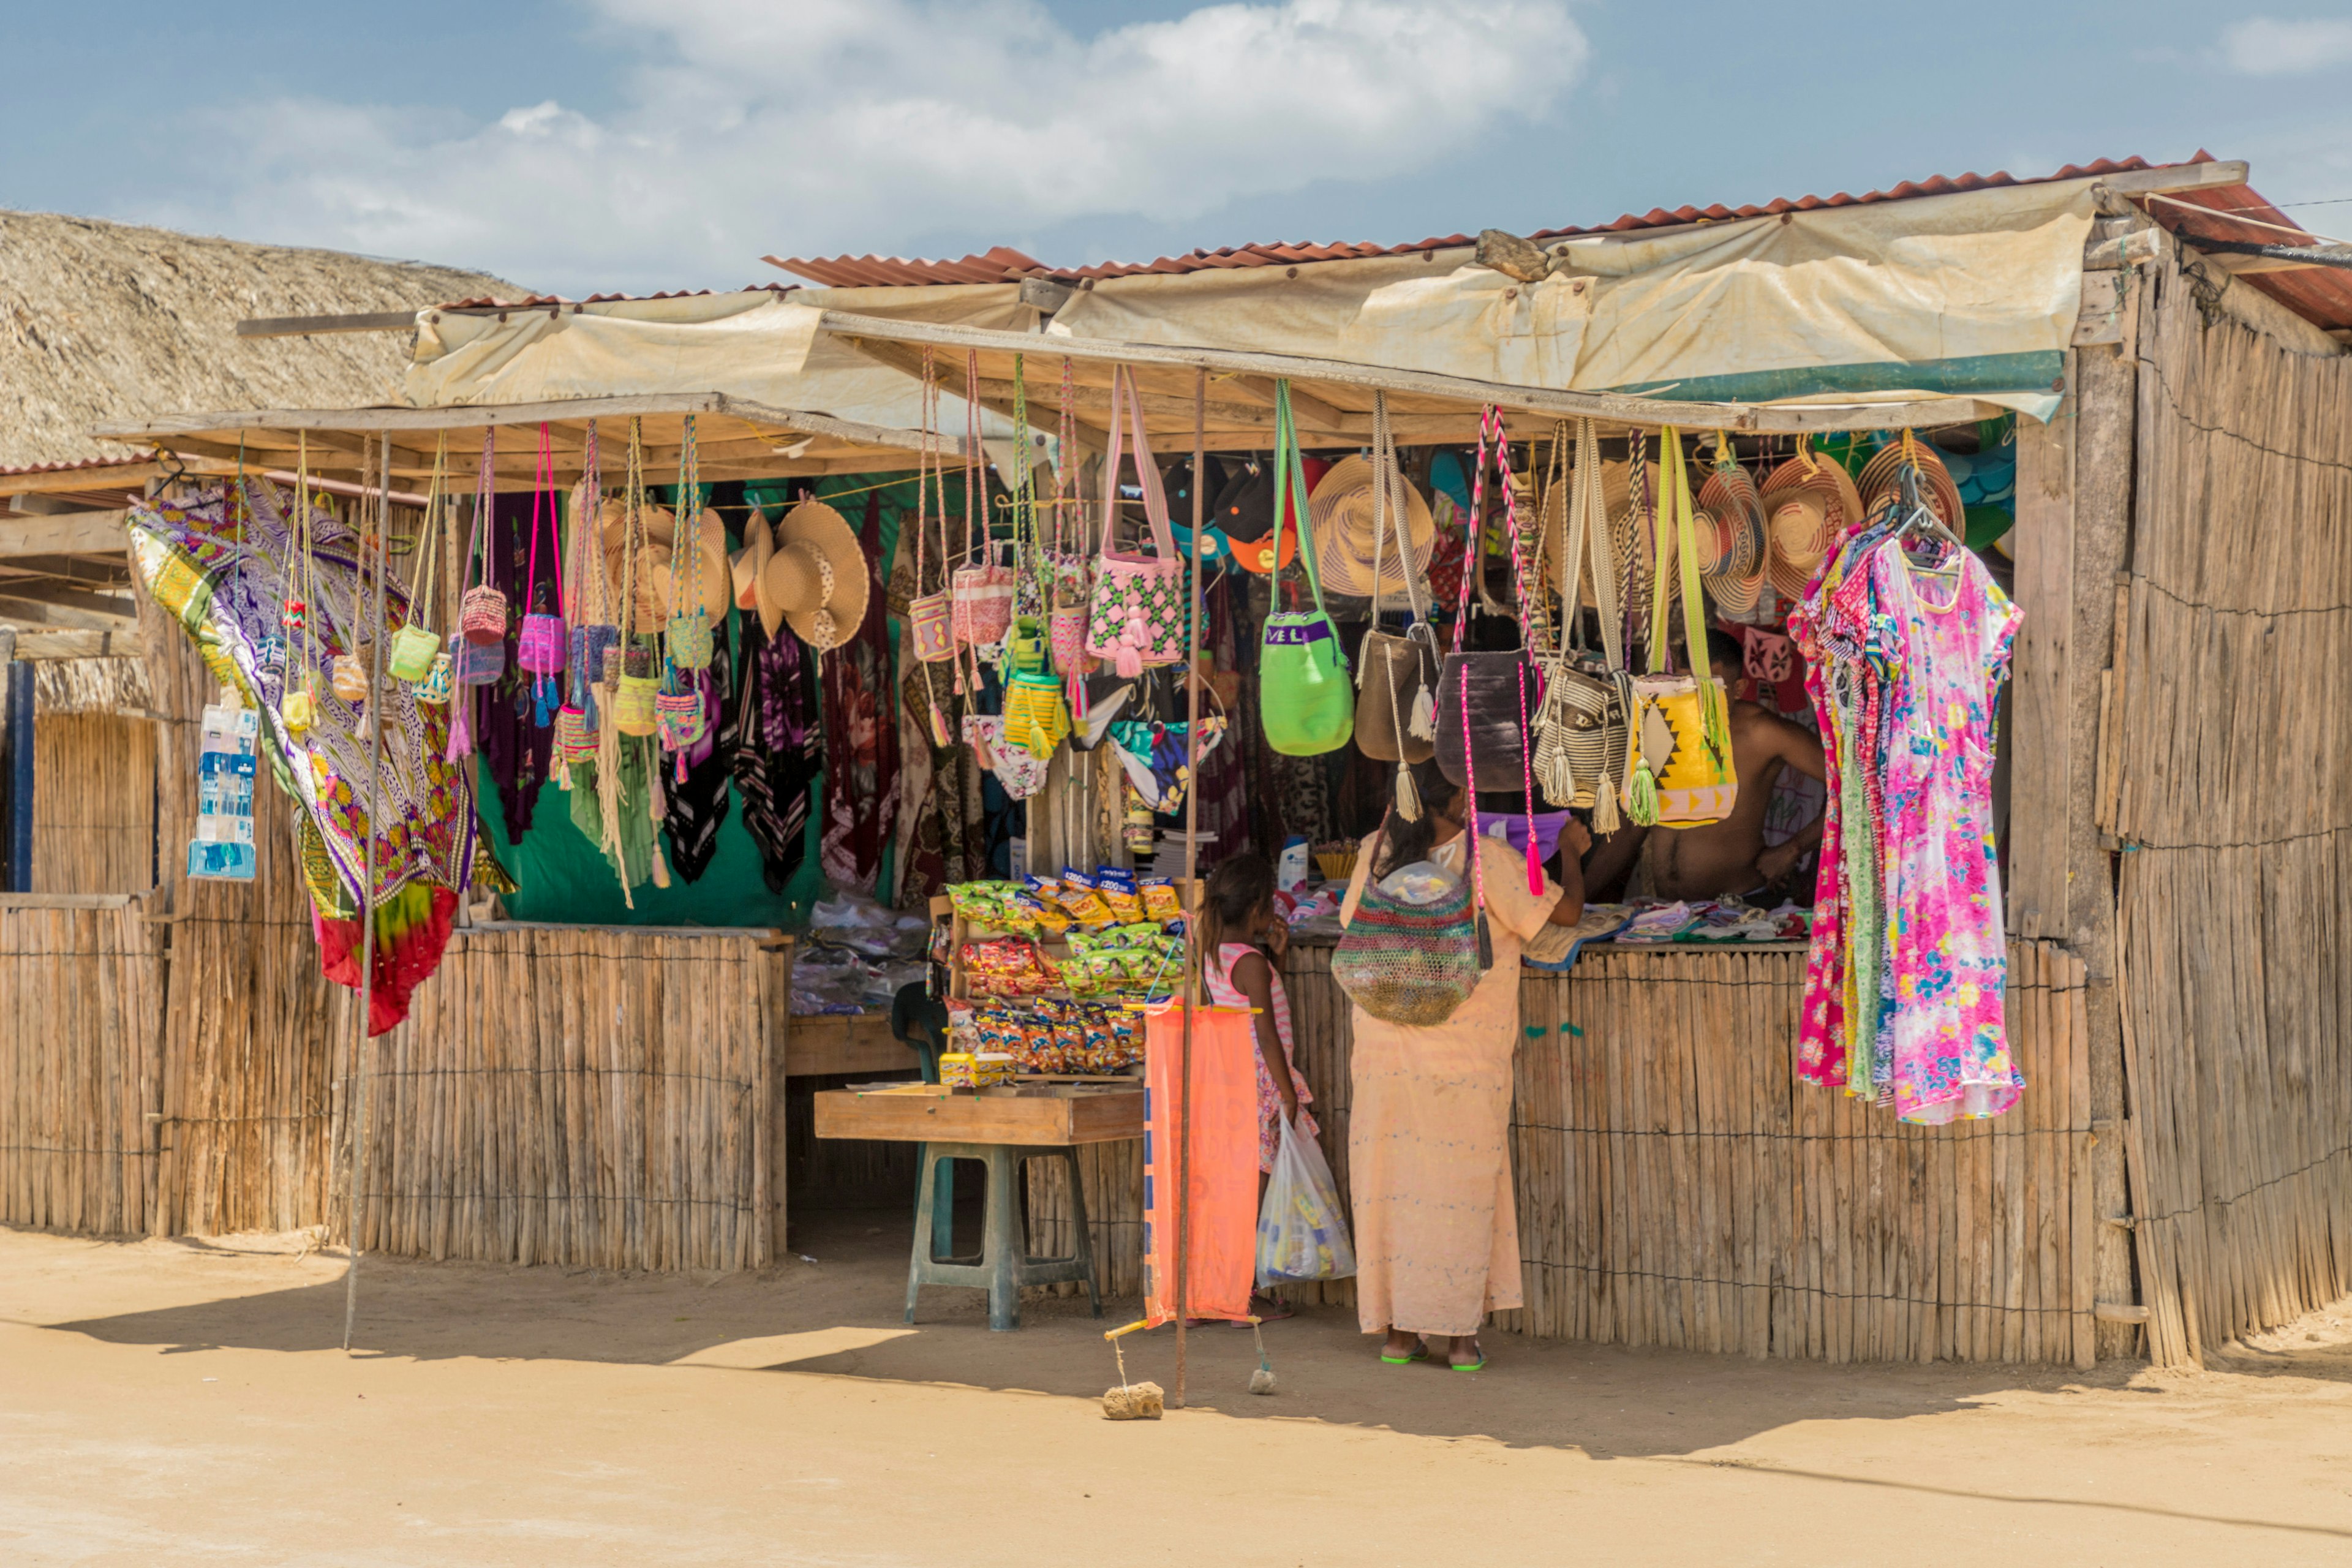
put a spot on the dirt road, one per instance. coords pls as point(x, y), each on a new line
point(185, 1402)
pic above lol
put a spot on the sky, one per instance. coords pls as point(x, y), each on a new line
point(578, 146)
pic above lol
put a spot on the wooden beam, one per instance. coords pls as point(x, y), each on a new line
point(32, 611)
point(53, 643)
point(876, 337)
point(50, 593)
point(97, 477)
point(1311, 411)
point(308, 326)
point(2180, 177)
point(98, 571)
point(2103, 388)
point(66, 533)
point(2040, 699)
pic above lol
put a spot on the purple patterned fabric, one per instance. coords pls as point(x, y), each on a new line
point(780, 746)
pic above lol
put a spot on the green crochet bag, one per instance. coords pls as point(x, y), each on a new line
point(1306, 698)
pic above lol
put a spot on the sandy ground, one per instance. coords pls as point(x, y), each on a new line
point(184, 1402)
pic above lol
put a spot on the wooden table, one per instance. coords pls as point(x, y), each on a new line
point(1000, 1127)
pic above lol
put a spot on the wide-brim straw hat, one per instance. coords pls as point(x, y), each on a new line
point(1881, 477)
point(711, 582)
point(817, 579)
point(1734, 577)
point(1809, 507)
point(1616, 492)
point(747, 563)
point(661, 524)
point(1341, 511)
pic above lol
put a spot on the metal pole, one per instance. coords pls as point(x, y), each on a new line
point(367, 888)
point(1192, 873)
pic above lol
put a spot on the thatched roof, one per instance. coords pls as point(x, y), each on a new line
point(106, 321)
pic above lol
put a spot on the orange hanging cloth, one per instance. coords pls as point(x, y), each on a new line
point(1221, 1231)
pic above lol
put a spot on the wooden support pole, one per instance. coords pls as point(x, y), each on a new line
point(2104, 396)
point(358, 1207)
point(1193, 955)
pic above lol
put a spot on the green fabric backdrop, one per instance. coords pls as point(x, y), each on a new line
point(560, 875)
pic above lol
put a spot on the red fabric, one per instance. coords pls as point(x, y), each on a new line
point(1221, 1197)
point(861, 734)
point(411, 931)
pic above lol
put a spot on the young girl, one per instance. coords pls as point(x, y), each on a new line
point(1240, 939)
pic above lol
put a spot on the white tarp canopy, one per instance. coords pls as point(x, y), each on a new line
point(1970, 295)
point(759, 343)
point(1966, 296)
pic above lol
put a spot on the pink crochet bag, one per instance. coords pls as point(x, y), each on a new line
point(1136, 617)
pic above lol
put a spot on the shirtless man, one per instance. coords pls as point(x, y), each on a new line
point(1729, 857)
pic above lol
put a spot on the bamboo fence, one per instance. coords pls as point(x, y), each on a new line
point(2223, 775)
point(1679, 1186)
point(93, 804)
point(581, 1095)
point(253, 1043)
point(79, 1066)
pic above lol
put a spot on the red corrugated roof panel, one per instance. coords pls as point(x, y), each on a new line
point(1003, 264)
point(2322, 295)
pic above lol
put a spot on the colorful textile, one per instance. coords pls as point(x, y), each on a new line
point(780, 746)
point(1437, 1234)
point(1908, 963)
point(412, 928)
point(505, 722)
point(223, 578)
point(698, 806)
point(861, 734)
point(1225, 994)
point(1021, 773)
point(1220, 1189)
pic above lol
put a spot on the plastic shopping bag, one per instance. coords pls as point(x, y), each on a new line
point(1300, 1233)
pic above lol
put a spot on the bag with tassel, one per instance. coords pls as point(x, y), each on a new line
point(1308, 704)
point(1683, 773)
point(1136, 617)
point(1583, 728)
point(1396, 676)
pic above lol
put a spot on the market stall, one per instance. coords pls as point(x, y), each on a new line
point(1709, 1146)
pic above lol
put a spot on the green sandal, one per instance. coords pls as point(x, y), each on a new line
point(1420, 1352)
point(1478, 1365)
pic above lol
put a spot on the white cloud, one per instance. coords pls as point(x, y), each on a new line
point(860, 124)
point(2267, 47)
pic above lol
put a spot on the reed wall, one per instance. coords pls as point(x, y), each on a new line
point(1678, 1185)
point(580, 1095)
point(2223, 777)
point(93, 804)
point(79, 1066)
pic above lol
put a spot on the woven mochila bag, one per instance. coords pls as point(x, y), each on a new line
point(543, 645)
point(482, 611)
point(1136, 617)
point(1409, 963)
point(1583, 726)
point(1683, 770)
point(1396, 677)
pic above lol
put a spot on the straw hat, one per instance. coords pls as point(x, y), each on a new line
point(1881, 477)
point(710, 576)
point(747, 564)
point(1810, 503)
point(661, 524)
point(1616, 492)
point(1341, 509)
point(817, 579)
point(1731, 551)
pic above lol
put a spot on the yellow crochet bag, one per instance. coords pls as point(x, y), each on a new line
point(1683, 770)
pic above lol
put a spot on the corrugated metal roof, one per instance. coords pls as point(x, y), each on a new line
point(1005, 264)
point(2322, 295)
point(1002, 264)
point(542, 302)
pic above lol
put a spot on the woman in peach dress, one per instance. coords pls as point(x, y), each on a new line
point(1436, 1231)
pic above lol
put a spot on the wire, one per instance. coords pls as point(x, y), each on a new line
point(2228, 216)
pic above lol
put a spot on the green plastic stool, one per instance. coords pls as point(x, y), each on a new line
point(1004, 1264)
